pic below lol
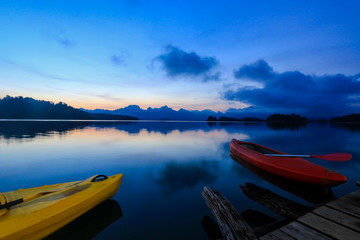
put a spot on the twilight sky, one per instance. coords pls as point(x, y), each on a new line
point(282, 56)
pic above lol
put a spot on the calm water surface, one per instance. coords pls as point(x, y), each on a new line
point(166, 166)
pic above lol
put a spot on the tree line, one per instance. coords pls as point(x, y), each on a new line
point(351, 118)
point(272, 118)
point(29, 108)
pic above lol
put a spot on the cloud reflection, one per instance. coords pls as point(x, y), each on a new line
point(178, 176)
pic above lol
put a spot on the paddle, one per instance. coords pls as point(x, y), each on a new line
point(39, 194)
point(328, 157)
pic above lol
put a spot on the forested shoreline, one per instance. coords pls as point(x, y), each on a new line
point(29, 108)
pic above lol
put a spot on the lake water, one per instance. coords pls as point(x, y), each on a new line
point(166, 166)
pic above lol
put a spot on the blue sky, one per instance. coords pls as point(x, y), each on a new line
point(184, 54)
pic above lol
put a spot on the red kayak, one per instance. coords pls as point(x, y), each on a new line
point(297, 169)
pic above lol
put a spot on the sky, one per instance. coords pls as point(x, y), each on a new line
point(284, 56)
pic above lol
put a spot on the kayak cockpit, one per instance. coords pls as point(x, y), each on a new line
point(257, 148)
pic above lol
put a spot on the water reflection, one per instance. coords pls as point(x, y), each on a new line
point(283, 206)
point(352, 127)
point(211, 228)
point(91, 223)
point(256, 218)
point(165, 166)
point(310, 193)
point(286, 125)
point(32, 129)
point(178, 176)
point(244, 123)
point(163, 127)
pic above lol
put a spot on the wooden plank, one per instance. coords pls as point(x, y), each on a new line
point(353, 197)
point(339, 217)
point(265, 229)
point(355, 193)
point(274, 202)
point(231, 224)
point(269, 236)
point(345, 206)
point(276, 235)
point(300, 231)
point(328, 227)
point(281, 235)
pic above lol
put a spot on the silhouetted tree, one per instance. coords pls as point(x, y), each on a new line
point(286, 118)
point(212, 118)
point(347, 118)
point(29, 108)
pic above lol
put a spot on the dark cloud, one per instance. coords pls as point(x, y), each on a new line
point(259, 70)
point(177, 62)
point(294, 91)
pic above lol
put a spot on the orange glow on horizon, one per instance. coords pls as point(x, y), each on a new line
point(92, 103)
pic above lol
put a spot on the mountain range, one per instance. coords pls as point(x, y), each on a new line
point(166, 113)
point(29, 108)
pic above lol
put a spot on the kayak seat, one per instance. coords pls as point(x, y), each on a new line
point(3, 200)
point(257, 148)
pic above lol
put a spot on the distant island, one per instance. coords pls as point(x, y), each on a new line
point(352, 118)
point(295, 118)
point(272, 118)
point(286, 118)
point(29, 108)
point(232, 119)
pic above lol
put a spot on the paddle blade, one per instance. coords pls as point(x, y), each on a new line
point(334, 156)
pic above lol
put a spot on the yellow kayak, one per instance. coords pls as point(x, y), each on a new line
point(37, 212)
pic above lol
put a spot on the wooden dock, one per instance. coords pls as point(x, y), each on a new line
point(338, 219)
